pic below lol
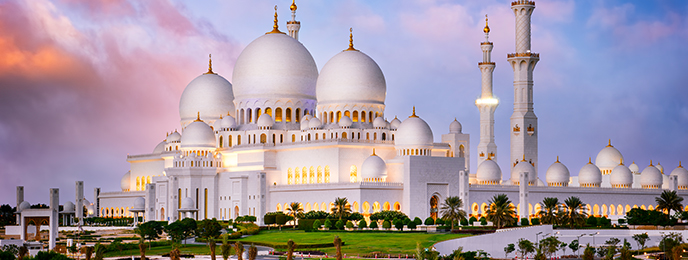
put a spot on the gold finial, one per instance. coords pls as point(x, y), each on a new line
point(374, 151)
point(679, 164)
point(414, 112)
point(589, 160)
point(275, 27)
point(557, 158)
point(651, 163)
point(351, 40)
point(293, 5)
point(210, 64)
point(621, 161)
point(198, 117)
point(610, 143)
point(524, 158)
point(220, 116)
point(487, 28)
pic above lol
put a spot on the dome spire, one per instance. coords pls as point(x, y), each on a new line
point(374, 152)
point(275, 27)
point(651, 163)
point(487, 28)
point(589, 160)
point(679, 164)
point(210, 64)
point(557, 159)
point(351, 40)
point(293, 5)
point(610, 143)
point(414, 112)
point(621, 161)
point(524, 158)
point(198, 117)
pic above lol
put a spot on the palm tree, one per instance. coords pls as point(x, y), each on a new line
point(294, 210)
point(548, 215)
point(574, 215)
point(669, 201)
point(341, 208)
point(451, 210)
point(501, 212)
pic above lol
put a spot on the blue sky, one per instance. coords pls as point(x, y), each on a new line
point(84, 83)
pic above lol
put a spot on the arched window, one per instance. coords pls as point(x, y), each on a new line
point(367, 136)
point(366, 207)
point(376, 206)
point(221, 141)
point(354, 207)
point(374, 136)
point(259, 112)
point(288, 114)
point(304, 175)
point(297, 176)
point(238, 139)
point(433, 206)
point(353, 174)
point(312, 175)
point(249, 115)
point(298, 114)
point(316, 207)
point(308, 207)
point(397, 206)
point(281, 138)
point(309, 137)
point(347, 113)
point(293, 138)
point(138, 183)
point(355, 119)
point(278, 114)
point(324, 117)
point(386, 206)
point(384, 136)
point(268, 111)
point(339, 116)
point(236, 211)
point(229, 141)
point(343, 135)
point(279, 207)
point(370, 117)
point(461, 151)
point(242, 116)
point(327, 174)
point(320, 174)
point(290, 177)
point(331, 117)
point(273, 138)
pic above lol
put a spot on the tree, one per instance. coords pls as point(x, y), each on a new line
point(641, 239)
point(501, 211)
point(574, 215)
point(338, 245)
point(290, 249)
point(625, 252)
point(341, 208)
point(175, 231)
point(362, 224)
point(89, 252)
point(525, 247)
point(574, 245)
point(150, 230)
point(451, 210)
point(209, 229)
point(225, 248)
point(252, 252)
point(508, 249)
point(669, 243)
point(550, 209)
point(668, 201)
point(239, 250)
point(550, 245)
point(294, 210)
point(142, 249)
point(563, 247)
point(188, 226)
point(589, 253)
point(99, 251)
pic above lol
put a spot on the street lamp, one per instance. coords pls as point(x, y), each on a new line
point(593, 238)
point(578, 240)
point(537, 242)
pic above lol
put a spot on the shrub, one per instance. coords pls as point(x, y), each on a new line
point(373, 224)
point(349, 224)
point(281, 219)
point(399, 224)
point(604, 221)
point(417, 221)
point(622, 221)
point(471, 220)
point(429, 221)
point(317, 224)
point(591, 221)
point(481, 219)
point(439, 221)
point(386, 224)
point(525, 222)
point(406, 221)
point(339, 224)
point(535, 221)
point(464, 222)
point(362, 224)
point(233, 235)
point(316, 215)
point(328, 224)
point(388, 215)
point(355, 216)
point(269, 219)
point(483, 222)
point(411, 225)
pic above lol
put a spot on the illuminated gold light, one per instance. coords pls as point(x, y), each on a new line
point(487, 101)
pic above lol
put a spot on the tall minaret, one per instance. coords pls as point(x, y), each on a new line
point(293, 26)
point(523, 121)
point(487, 103)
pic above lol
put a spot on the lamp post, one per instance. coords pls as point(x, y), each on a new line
point(537, 242)
point(578, 240)
point(593, 238)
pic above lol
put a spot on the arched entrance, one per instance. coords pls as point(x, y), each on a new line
point(433, 206)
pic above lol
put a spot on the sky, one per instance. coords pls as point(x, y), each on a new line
point(84, 83)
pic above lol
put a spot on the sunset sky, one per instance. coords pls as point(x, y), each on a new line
point(83, 83)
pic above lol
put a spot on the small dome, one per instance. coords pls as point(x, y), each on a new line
point(304, 124)
point(228, 122)
point(523, 166)
point(590, 175)
point(24, 205)
point(414, 131)
point(351, 77)
point(394, 125)
point(455, 127)
point(373, 168)
point(159, 148)
point(265, 121)
point(277, 66)
point(68, 207)
point(634, 168)
point(608, 158)
point(651, 177)
point(379, 122)
point(125, 183)
point(660, 167)
point(345, 122)
point(210, 94)
point(621, 176)
point(187, 204)
point(217, 126)
point(139, 204)
point(174, 137)
point(314, 123)
point(489, 172)
point(557, 174)
point(682, 174)
point(198, 134)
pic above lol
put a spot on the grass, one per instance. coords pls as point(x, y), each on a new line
point(355, 242)
point(160, 250)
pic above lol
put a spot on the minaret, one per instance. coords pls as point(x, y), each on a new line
point(487, 103)
point(523, 121)
point(293, 26)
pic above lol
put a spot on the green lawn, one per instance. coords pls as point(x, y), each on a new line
point(355, 242)
point(160, 250)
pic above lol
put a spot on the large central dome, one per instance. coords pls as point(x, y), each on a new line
point(274, 66)
point(351, 77)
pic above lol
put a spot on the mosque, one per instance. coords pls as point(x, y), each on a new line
point(283, 131)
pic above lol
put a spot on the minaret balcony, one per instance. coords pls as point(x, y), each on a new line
point(526, 54)
point(486, 63)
